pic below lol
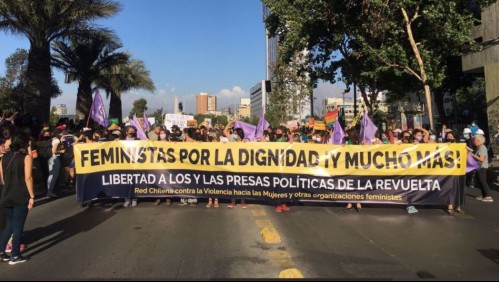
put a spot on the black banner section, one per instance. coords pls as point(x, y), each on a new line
point(407, 189)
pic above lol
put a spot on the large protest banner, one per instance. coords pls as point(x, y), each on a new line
point(428, 174)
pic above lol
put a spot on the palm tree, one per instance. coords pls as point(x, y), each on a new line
point(42, 22)
point(87, 56)
point(122, 78)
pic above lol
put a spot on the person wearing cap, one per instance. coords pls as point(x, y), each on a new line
point(474, 128)
point(113, 127)
point(115, 135)
point(467, 138)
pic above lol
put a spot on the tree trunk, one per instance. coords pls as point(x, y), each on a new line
point(83, 100)
point(367, 102)
point(39, 74)
point(422, 71)
point(115, 106)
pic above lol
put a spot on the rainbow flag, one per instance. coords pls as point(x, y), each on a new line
point(331, 117)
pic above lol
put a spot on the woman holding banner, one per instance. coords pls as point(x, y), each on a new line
point(236, 136)
point(281, 136)
point(353, 139)
point(481, 156)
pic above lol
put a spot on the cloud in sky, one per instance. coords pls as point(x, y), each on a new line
point(234, 93)
point(164, 98)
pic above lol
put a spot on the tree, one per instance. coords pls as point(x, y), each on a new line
point(54, 117)
point(13, 87)
point(42, 22)
point(290, 91)
point(401, 37)
point(88, 56)
point(121, 78)
point(158, 116)
point(139, 107)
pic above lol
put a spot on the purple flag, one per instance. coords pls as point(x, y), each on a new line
point(97, 111)
point(471, 163)
point(140, 132)
point(147, 125)
point(261, 126)
point(337, 135)
point(249, 130)
point(367, 129)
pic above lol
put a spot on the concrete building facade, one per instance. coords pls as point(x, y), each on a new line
point(487, 62)
point(205, 104)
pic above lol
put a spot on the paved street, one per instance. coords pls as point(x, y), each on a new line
point(67, 241)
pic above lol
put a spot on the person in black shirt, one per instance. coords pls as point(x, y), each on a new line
point(17, 196)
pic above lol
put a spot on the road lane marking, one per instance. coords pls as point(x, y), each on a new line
point(258, 213)
point(280, 258)
point(290, 273)
point(270, 235)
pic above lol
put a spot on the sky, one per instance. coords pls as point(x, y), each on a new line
point(189, 46)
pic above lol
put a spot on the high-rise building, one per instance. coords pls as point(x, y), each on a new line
point(61, 110)
point(271, 44)
point(486, 61)
point(258, 96)
point(175, 105)
point(298, 109)
point(244, 108)
point(205, 104)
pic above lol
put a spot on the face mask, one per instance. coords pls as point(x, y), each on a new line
point(396, 134)
point(267, 139)
point(384, 140)
point(433, 137)
point(419, 138)
point(234, 137)
point(162, 136)
point(318, 140)
point(467, 136)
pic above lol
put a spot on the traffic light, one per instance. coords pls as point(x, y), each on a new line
point(268, 86)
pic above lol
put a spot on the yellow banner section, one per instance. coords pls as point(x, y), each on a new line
point(285, 158)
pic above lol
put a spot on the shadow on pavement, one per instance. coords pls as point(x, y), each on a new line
point(43, 238)
point(492, 254)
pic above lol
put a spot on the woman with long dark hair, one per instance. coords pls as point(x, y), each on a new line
point(17, 196)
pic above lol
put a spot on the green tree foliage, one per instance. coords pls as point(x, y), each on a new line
point(42, 22)
point(88, 56)
point(470, 103)
point(139, 107)
point(158, 116)
point(13, 87)
point(375, 42)
point(215, 120)
point(124, 77)
point(54, 117)
point(290, 90)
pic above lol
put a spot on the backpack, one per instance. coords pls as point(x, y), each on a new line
point(45, 149)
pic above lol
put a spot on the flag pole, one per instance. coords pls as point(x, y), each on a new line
point(88, 118)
